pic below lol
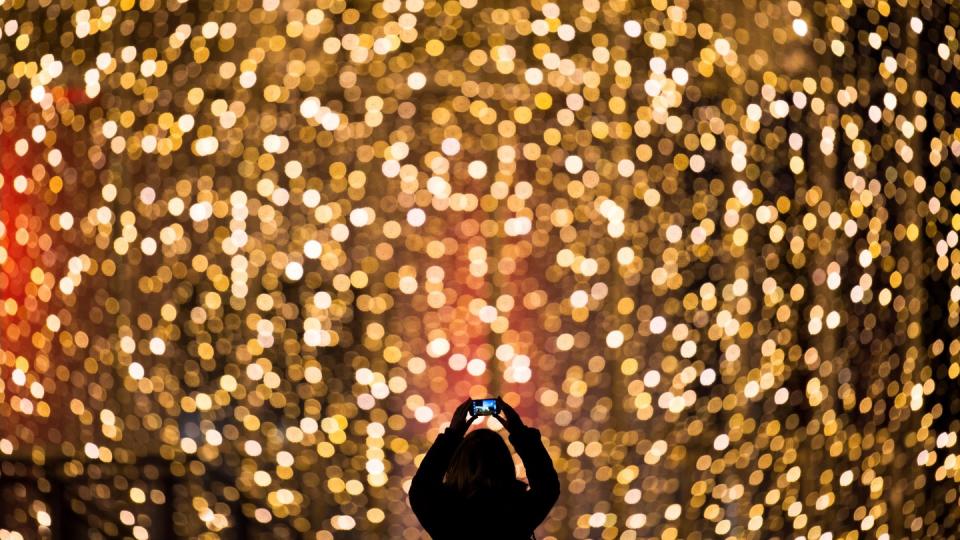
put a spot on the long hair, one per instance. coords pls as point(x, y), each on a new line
point(482, 462)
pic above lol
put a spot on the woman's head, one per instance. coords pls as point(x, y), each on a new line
point(481, 462)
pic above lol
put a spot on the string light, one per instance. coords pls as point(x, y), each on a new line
point(253, 254)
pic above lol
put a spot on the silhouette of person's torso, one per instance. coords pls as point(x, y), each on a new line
point(486, 514)
point(509, 513)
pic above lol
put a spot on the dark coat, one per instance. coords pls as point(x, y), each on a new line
point(502, 516)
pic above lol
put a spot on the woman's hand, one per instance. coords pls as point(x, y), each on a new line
point(511, 420)
point(459, 423)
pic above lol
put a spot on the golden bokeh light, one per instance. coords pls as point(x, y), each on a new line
point(254, 253)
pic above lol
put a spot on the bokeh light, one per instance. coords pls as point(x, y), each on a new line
point(254, 253)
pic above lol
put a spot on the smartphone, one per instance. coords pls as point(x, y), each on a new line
point(480, 407)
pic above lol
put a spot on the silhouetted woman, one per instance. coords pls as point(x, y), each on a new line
point(481, 496)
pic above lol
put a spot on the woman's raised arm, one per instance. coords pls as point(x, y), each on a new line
point(425, 488)
point(541, 474)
